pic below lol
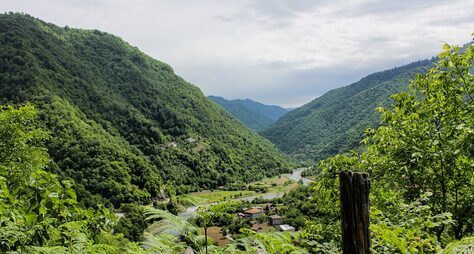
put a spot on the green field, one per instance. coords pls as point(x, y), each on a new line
point(211, 196)
point(276, 184)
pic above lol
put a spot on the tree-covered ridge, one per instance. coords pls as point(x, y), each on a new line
point(124, 124)
point(334, 122)
point(254, 115)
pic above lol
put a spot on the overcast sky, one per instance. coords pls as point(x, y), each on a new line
point(274, 51)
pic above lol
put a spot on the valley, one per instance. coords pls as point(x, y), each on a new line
point(104, 149)
point(277, 187)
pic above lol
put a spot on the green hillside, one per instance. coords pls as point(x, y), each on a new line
point(254, 115)
point(122, 124)
point(334, 123)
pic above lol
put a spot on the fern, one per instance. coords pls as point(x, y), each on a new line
point(163, 243)
point(272, 243)
point(45, 250)
point(463, 246)
point(171, 225)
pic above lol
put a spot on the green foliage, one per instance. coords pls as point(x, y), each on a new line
point(163, 243)
point(38, 213)
point(133, 223)
point(223, 215)
point(335, 122)
point(425, 143)
point(171, 230)
point(315, 211)
point(254, 115)
point(298, 206)
point(272, 243)
point(463, 246)
point(420, 159)
point(410, 230)
point(320, 238)
point(121, 121)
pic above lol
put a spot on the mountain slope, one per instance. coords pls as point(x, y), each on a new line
point(334, 122)
point(254, 115)
point(124, 126)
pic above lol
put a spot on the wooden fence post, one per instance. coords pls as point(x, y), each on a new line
point(355, 189)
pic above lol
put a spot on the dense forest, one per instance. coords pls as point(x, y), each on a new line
point(92, 131)
point(335, 122)
point(254, 115)
point(125, 127)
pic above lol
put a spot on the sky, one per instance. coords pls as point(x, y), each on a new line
point(282, 52)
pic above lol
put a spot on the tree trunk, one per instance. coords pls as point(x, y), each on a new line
point(205, 240)
point(354, 193)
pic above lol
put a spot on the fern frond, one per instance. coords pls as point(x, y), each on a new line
point(463, 246)
point(46, 250)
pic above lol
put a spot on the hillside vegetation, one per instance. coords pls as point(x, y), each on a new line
point(254, 115)
point(334, 123)
point(124, 126)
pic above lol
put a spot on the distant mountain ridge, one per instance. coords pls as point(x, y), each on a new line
point(255, 115)
point(334, 123)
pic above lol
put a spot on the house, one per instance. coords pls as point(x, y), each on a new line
point(254, 212)
point(242, 215)
point(257, 228)
point(268, 207)
point(276, 220)
point(173, 144)
point(191, 140)
point(286, 228)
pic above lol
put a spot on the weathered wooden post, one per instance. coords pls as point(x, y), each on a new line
point(355, 189)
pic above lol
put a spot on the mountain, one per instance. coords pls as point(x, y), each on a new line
point(334, 123)
point(254, 115)
point(124, 126)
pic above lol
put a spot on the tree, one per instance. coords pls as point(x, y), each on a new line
point(207, 215)
point(38, 212)
point(424, 145)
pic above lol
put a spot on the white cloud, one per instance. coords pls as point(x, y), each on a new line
point(278, 52)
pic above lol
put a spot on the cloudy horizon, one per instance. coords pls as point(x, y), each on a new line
point(283, 53)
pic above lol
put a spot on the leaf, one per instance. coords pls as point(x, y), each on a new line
point(30, 218)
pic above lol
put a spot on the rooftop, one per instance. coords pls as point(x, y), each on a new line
point(254, 210)
point(256, 227)
point(286, 227)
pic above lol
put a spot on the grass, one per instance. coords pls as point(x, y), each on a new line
point(219, 195)
point(277, 184)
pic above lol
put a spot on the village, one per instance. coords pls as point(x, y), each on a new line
point(264, 218)
point(261, 218)
point(258, 207)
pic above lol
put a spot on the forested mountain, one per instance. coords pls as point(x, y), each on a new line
point(255, 115)
point(123, 125)
point(334, 123)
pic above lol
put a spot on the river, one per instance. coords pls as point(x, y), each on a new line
point(295, 176)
